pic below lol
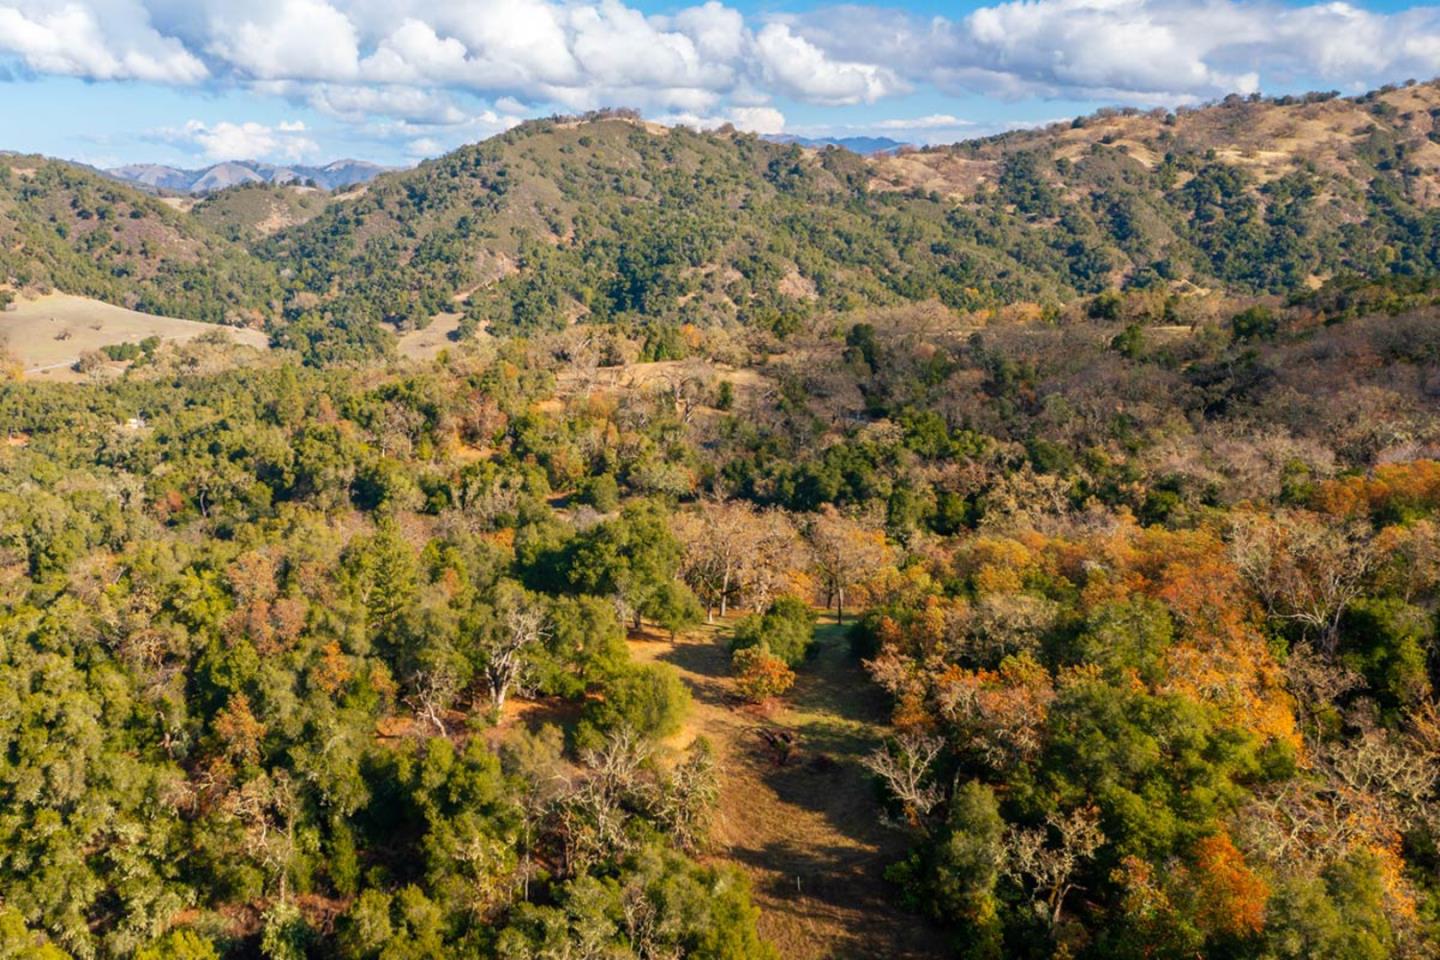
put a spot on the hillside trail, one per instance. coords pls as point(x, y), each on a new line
point(807, 831)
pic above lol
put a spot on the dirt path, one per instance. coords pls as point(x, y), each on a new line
point(806, 831)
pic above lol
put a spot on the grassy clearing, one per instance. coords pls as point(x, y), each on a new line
point(806, 831)
point(48, 334)
point(427, 344)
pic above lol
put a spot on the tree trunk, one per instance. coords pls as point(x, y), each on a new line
point(840, 605)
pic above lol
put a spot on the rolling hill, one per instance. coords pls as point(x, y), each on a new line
point(612, 219)
point(66, 228)
point(254, 210)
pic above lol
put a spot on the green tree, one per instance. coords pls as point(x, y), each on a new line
point(786, 629)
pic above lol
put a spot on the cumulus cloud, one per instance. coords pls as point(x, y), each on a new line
point(934, 121)
point(1137, 50)
point(1112, 45)
point(97, 41)
point(761, 120)
point(430, 62)
point(420, 139)
point(358, 103)
point(285, 40)
point(804, 70)
point(286, 142)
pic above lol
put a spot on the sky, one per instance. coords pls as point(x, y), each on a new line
point(193, 82)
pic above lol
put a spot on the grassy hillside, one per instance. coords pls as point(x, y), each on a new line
point(254, 210)
point(1257, 195)
point(613, 219)
point(65, 228)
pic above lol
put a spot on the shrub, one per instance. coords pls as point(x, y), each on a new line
point(650, 699)
point(786, 630)
point(602, 493)
point(1254, 323)
point(725, 395)
point(89, 362)
point(759, 675)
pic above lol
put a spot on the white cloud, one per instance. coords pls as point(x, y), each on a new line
point(286, 142)
point(358, 103)
point(758, 119)
point(717, 31)
point(421, 140)
point(285, 40)
point(111, 41)
point(432, 63)
point(762, 120)
point(422, 147)
point(802, 69)
point(935, 121)
point(1102, 45)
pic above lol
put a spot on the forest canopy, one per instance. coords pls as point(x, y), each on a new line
point(1109, 486)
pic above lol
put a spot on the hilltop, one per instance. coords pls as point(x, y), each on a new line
point(64, 227)
point(611, 219)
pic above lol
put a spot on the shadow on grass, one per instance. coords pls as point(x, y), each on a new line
point(817, 882)
point(706, 664)
point(838, 875)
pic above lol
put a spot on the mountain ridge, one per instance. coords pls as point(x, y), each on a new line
point(610, 219)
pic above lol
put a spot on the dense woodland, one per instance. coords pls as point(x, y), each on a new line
point(1148, 575)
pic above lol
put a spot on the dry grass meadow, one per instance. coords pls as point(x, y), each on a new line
point(48, 334)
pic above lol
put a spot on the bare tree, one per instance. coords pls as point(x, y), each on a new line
point(775, 554)
point(1304, 570)
point(905, 767)
point(266, 808)
point(686, 801)
point(717, 538)
point(433, 688)
point(520, 627)
point(593, 814)
point(1356, 793)
point(685, 389)
point(1050, 868)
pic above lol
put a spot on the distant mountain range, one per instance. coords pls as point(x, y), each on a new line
point(865, 146)
point(332, 176)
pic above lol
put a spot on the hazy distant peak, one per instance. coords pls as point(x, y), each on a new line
point(865, 146)
point(331, 176)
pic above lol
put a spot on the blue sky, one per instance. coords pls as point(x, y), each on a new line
point(195, 81)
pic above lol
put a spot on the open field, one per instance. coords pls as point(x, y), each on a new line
point(48, 334)
point(807, 831)
point(426, 344)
